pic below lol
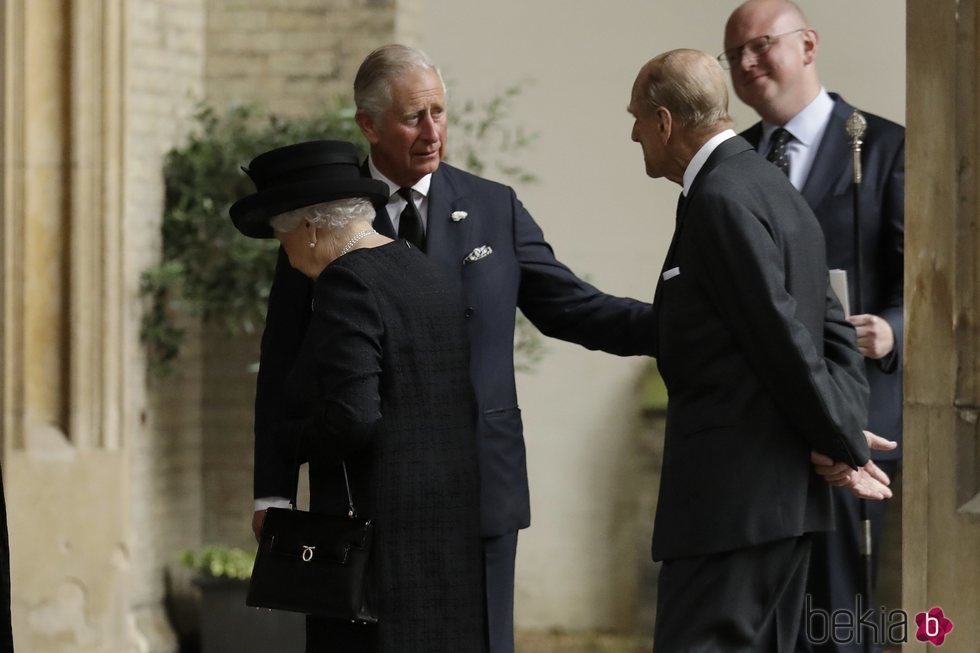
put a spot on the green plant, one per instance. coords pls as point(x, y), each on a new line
point(209, 271)
point(478, 126)
point(219, 562)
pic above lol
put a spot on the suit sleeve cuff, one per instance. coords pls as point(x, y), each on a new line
point(889, 363)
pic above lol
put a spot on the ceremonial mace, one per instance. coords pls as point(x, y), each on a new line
point(856, 126)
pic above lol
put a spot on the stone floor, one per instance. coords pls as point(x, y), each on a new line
point(592, 642)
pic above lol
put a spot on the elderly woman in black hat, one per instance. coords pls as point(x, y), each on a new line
point(382, 383)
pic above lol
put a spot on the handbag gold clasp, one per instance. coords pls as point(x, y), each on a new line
point(307, 553)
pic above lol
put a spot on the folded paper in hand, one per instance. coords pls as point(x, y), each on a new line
point(838, 282)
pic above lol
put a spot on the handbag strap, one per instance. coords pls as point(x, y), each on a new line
point(297, 456)
point(351, 510)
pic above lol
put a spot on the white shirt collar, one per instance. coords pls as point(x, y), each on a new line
point(421, 186)
point(701, 157)
point(808, 125)
point(807, 128)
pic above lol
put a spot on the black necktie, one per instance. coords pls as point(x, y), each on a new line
point(777, 150)
point(410, 223)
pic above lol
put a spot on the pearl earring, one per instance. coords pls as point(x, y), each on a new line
point(312, 244)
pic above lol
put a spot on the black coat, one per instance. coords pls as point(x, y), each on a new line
point(382, 379)
point(759, 364)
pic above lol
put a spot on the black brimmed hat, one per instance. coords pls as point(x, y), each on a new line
point(300, 175)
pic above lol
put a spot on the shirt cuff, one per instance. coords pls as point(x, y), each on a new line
point(271, 502)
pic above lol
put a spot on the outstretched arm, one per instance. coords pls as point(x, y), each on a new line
point(561, 305)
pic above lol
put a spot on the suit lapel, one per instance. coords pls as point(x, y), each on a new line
point(445, 238)
point(729, 148)
point(833, 156)
point(658, 293)
point(753, 135)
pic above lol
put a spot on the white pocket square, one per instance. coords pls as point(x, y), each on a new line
point(482, 251)
point(671, 273)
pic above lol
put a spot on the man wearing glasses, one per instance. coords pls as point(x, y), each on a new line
point(771, 54)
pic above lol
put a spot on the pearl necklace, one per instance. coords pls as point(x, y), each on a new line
point(356, 237)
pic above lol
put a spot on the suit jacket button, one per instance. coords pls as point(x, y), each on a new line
point(468, 312)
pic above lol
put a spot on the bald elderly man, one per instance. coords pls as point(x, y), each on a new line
point(761, 369)
point(771, 52)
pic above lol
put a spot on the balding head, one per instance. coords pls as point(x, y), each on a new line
point(688, 83)
point(767, 10)
point(772, 54)
point(679, 101)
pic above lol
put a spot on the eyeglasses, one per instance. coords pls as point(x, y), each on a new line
point(755, 47)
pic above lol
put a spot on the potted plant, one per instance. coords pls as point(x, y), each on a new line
point(227, 624)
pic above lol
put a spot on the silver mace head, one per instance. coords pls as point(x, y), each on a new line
point(856, 126)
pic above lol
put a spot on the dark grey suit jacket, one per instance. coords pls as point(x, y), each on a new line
point(829, 192)
point(759, 363)
point(521, 272)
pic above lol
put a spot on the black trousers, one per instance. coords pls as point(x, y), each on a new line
point(748, 600)
point(500, 554)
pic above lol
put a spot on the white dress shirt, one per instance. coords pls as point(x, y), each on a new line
point(396, 204)
point(807, 129)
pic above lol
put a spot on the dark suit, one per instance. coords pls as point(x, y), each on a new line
point(836, 568)
point(760, 368)
point(521, 272)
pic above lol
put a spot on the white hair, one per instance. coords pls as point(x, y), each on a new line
point(333, 215)
point(372, 84)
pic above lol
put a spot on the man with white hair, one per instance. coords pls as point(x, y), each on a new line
point(761, 369)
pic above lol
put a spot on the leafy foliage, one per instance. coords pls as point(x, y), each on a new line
point(219, 562)
point(481, 126)
point(209, 271)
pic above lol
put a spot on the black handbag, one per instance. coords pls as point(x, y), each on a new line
point(316, 564)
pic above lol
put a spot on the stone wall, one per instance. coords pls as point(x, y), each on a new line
point(292, 56)
point(164, 58)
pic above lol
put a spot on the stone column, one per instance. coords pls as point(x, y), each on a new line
point(63, 450)
point(941, 544)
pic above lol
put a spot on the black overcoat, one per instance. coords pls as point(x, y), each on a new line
point(382, 381)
